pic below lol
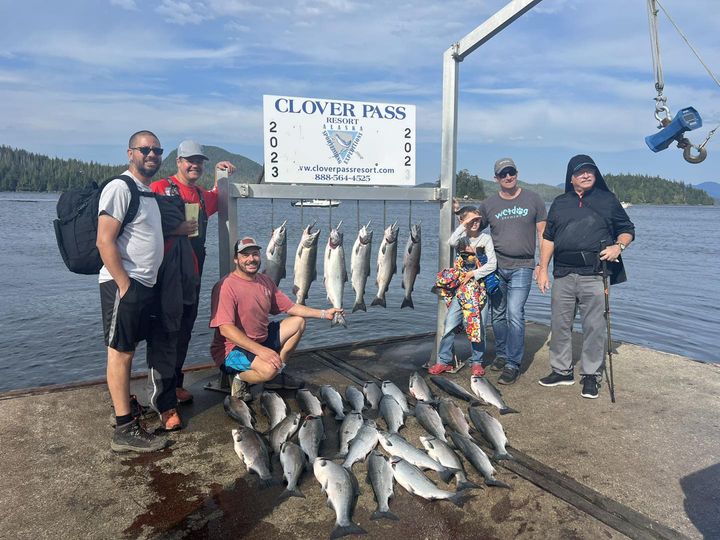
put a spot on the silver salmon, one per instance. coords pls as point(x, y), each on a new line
point(335, 273)
point(373, 394)
point(396, 445)
point(341, 489)
point(453, 388)
point(453, 417)
point(333, 400)
point(478, 458)
point(250, 447)
point(360, 265)
point(363, 443)
point(310, 435)
point(390, 388)
point(419, 389)
point(392, 412)
point(441, 452)
point(380, 474)
point(485, 390)
point(411, 265)
point(355, 398)
point(285, 429)
point(415, 482)
point(292, 460)
point(429, 418)
point(276, 254)
point(274, 407)
point(305, 271)
point(309, 402)
point(238, 410)
point(386, 263)
point(348, 430)
point(492, 430)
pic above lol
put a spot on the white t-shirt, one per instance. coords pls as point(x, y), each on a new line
point(141, 242)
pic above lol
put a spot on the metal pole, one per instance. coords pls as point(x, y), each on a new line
point(451, 70)
point(227, 222)
point(451, 59)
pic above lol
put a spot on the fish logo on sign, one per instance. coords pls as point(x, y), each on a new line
point(343, 143)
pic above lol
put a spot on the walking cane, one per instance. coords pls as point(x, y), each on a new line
point(608, 372)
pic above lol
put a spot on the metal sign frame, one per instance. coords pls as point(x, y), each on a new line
point(230, 192)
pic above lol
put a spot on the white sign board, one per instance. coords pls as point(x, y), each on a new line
point(326, 141)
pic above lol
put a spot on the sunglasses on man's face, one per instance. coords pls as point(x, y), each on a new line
point(507, 172)
point(145, 150)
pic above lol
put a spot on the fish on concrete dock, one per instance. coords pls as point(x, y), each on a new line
point(340, 487)
point(487, 392)
point(474, 454)
point(251, 449)
point(292, 459)
point(380, 475)
point(239, 411)
point(453, 388)
point(492, 430)
point(419, 389)
point(414, 481)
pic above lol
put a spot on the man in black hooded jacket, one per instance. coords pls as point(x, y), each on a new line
point(586, 228)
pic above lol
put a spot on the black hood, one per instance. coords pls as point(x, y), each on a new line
point(582, 159)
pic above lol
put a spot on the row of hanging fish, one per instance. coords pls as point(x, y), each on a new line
point(297, 441)
point(336, 275)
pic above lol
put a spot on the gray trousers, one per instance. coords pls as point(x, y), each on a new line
point(571, 294)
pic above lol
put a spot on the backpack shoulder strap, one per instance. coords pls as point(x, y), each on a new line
point(135, 195)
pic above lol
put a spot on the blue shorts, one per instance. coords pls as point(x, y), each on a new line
point(239, 359)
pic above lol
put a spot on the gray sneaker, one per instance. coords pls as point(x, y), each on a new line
point(498, 364)
point(240, 389)
point(137, 410)
point(132, 437)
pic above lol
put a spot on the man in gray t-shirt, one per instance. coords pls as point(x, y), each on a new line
point(517, 219)
point(131, 259)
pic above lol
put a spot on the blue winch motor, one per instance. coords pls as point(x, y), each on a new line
point(686, 119)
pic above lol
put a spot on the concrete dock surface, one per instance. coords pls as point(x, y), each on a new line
point(643, 467)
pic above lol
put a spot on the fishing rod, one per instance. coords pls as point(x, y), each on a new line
point(608, 367)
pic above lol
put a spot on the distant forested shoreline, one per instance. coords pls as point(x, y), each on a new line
point(21, 170)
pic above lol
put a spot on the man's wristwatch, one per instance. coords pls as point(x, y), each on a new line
point(621, 246)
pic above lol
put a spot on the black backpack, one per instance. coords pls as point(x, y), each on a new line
point(76, 226)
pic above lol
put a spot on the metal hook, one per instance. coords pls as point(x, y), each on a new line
point(699, 158)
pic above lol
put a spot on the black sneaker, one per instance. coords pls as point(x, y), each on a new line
point(240, 389)
point(509, 375)
point(498, 364)
point(590, 387)
point(137, 410)
point(556, 379)
point(132, 437)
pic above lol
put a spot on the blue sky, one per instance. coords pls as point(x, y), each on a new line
point(572, 76)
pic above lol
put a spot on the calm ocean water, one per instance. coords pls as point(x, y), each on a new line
point(50, 329)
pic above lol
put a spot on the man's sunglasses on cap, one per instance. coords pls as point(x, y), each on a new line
point(145, 150)
point(507, 171)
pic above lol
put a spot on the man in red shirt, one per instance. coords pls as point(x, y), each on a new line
point(246, 343)
point(190, 162)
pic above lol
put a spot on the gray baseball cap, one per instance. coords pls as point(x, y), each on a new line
point(504, 163)
point(190, 148)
